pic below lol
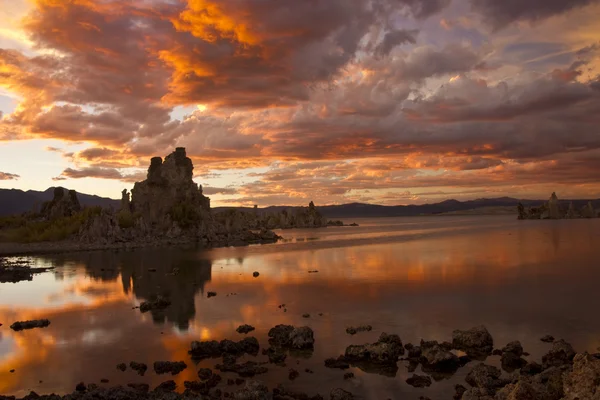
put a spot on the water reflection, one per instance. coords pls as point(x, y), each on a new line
point(419, 278)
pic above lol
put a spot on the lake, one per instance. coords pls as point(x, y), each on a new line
point(419, 277)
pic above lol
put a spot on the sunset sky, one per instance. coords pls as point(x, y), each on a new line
point(287, 101)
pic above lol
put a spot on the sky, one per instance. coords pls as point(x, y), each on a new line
point(280, 102)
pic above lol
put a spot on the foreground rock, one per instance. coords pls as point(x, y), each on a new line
point(583, 382)
point(436, 357)
point(280, 393)
point(38, 323)
point(419, 381)
point(212, 348)
point(511, 356)
point(476, 342)
point(380, 357)
point(164, 367)
point(562, 353)
point(361, 328)
point(288, 336)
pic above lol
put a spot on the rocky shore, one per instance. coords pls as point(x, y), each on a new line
point(561, 374)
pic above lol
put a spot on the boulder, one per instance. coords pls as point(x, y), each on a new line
point(420, 381)
point(562, 353)
point(436, 358)
point(485, 377)
point(386, 350)
point(301, 338)
point(583, 383)
point(476, 342)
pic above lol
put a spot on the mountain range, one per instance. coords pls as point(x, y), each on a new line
point(14, 201)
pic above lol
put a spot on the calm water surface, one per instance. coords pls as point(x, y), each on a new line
point(417, 277)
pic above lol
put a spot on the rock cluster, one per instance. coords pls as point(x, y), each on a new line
point(63, 204)
point(169, 206)
point(552, 210)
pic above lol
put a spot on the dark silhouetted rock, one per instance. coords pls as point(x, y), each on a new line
point(361, 328)
point(245, 329)
point(293, 374)
point(386, 350)
point(459, 390)
point(561, 353)
point(247, 369)
point(166, 367)
point(168, 386)
point(436, 358)
point(252, 391)
point(255, 274)
point(485, 377)
point(122, 366)
point(419, 381)
point(140, 368)
point(476, 342)
point(340, 394)
point(64, 204)
point(204, 373)
point(339, 363)
point(301, 338)
point(38, 323)
point(348, 375)
point(547, 339)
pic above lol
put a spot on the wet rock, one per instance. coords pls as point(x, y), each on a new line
point(531, 369)
point(140, 368)
point(361, 328)
point(208, 349)
point(386, 350)
point(547, 339)
point(252, 391)
point(203, 387)
point(583, 382)
point(562, 353)
point(485, 377)
point(476, 342)
point(348, 375)
point(280, 393)
point(419, 381)
point(301, 338)
point(140, 387)
point(276, 355)
point(159, 303)
point(247, 369)
point(204, 373)
point(340, 394)
point(339, 363)
point(313, 271)
point(164, 367)
point(306, 315)
point(459, 390)
point(436, 358)
point(245, 329)
point(293, 374)
point(168, 386)
point(81, 387)
point(414, 352)
point(122, 367)
point(211, 294)
point(255, 274)
point(511, 356)
point(21, 325)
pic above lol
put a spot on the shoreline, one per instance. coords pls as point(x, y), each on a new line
point(25, 249)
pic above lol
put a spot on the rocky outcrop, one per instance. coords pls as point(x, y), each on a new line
point(583, 383)
point(476, 342)
point(64, 204)
point(552, 210)
point(169, 191)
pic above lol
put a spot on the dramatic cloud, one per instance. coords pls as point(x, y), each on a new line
point(339, 100)
point(502, 13)
point(5, 176)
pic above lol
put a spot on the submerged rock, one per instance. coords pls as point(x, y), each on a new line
point(340, 394)
point(361, 328)
point(386, 350)
point(476, 342)
point(164, 367)
point(301, 338)
point(252, 391)
point(276, 355)
point(436, 358)
point(247, 369)
point(140, 368)
point(419, 381)
point(212, 348)
point(245, 329)
point(38, 323)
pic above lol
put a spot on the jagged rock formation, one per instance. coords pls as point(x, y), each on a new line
point(64, 204)
point(169, 191)
point(169, 205)
point(305, 217)
point(552, 210)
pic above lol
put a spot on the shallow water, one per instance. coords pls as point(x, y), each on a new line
point(417, 277)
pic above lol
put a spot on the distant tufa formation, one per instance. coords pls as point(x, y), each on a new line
point(305, 217)
point(63, 204)
point(552, 210)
